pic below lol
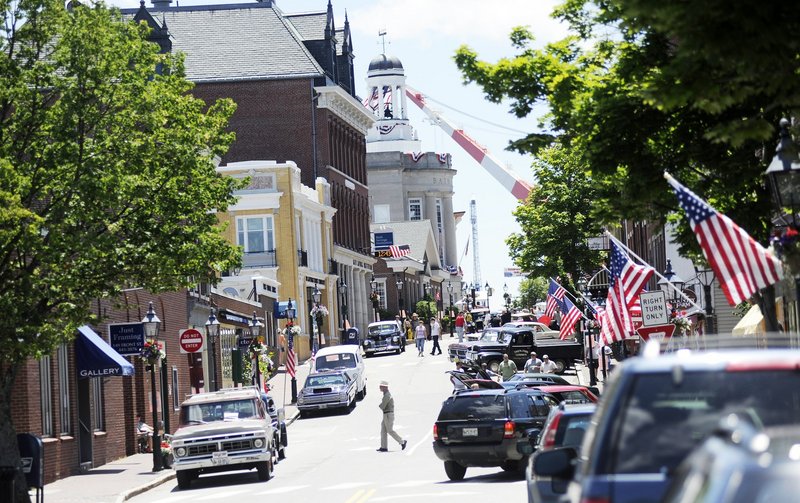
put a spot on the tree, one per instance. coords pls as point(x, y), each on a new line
point(531, 291)
point(108, 178)
point(555, 220)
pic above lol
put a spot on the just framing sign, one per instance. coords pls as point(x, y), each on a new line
point(654, 308)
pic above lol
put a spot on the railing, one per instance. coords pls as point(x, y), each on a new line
point(260, 259)
point(302, 258)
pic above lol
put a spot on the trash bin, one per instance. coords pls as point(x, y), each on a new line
point(7, 475)
point(351, 336)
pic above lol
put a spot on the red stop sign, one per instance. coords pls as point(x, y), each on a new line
point(191, 340)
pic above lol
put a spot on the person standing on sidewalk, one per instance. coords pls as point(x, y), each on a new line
point(533, 364)
point(436, 332)
point(507, 368)
point(460, 326)
point(387, 422)
point(419, 336)
point(548, 366)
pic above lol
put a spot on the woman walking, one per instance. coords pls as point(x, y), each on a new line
point(420, 334)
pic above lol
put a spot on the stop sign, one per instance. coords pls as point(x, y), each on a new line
point(191, 340)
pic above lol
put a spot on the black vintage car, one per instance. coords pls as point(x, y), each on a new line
point(383, 336)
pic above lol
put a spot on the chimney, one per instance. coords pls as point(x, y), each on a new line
point(161, 4)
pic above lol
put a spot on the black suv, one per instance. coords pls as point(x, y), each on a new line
point(489, 428)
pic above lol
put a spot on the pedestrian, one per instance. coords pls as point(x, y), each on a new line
point(533, 364)
point(387, 422)
point(507, 368)
point(460, 326)
point(408, 329)
point(487, 320)
point(436, 332)
point(419, 336)
point(144, 434)
point(469, 322)
point(548, 367)
point(399, 323)
point(505, 317)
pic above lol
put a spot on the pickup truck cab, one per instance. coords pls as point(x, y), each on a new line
point(518, 342)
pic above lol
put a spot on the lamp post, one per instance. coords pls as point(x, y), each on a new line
point(507, 296)
point(583, 287)
point(212, 332)
point(706, 278)
point(151, 324)
point(290, 340)
point(373, 283)
point(670, 277)
point(316, 296)
point(488, 295)
point(343, 305)
point(452, 313)
point(255, 330)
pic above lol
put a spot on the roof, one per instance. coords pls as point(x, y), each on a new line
point(384, 62)
point(236, 42)
point(223, 394)
point(310, 25)
point(418, 234)
point(342, 348)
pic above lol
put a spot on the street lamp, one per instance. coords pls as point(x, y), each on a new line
point(255, 330)
point(583, 287)
point(151, 324)
point(670, 277)
point(784, 171)
point(488, 294)
point(452, 313)
point(316, 296)
point(343, 309)
point(706, 278)
point(290, 312)
point(373, 283)
point(506, 296)
point(212, 331)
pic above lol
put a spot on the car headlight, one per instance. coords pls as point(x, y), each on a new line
point(180, 452)
point(259, 443)
point(300, 399)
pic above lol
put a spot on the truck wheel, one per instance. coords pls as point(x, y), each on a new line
point(184, 479)
point(265, 470)
point(454, 470)
point(494, 366)
point(561, 365)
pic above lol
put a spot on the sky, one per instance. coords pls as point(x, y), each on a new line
point(424, 35)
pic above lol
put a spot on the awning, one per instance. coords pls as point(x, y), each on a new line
point(751, 323)
point(95, 358)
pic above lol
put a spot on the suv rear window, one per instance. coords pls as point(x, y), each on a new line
point(337, 361)
point(664, 419)
point(473, 407)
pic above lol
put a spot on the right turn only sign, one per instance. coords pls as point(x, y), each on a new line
point(191, 340)
point(654, 308)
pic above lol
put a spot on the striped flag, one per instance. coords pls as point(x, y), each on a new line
point(739, 261)
point(399, 251)
point(555, 297)
point(572, 315)
point(291, 357)
point(626, 280)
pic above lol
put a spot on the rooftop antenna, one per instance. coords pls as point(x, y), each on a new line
point(382, 34)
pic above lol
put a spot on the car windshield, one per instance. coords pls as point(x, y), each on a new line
point(492, 336)
point(229, 410)
point(382, 329)
point(473, 407)
point(339, 360)
point(667, 417)
point(329, 380)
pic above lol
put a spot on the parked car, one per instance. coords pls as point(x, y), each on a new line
point(655, 410)
point(327, 390)
point(344, 357)
point(383, 336)
point(740, 464)
point(568, 392)
point(488, 428)
point(224, 430)
point(278, 417)
point(459, 349)
point(538, 376)
point(565, 427)
point(541, 330)
point(518, 343)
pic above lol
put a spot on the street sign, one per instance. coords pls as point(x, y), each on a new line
point(191, 340)
point(659, 332)
point(654, 308)
point(244, 342)
point(126, 338)
point(383, 240)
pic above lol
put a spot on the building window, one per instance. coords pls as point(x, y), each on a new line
point(255, 234)
point(176, 394)
point(98, 416)
point(380, 287)
point(63, 388)
point(415, 208)
point(46, 394)
point(439, 221)
point(381, 214)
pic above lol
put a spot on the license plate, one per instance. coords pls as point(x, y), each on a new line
point(323, 406)
point(219, 458)
point(469, 432)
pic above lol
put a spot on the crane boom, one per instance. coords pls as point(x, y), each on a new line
point(518, 187)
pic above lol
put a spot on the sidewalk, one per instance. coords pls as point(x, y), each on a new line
point(125, 478)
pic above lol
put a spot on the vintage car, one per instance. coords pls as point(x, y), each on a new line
point(383, 336)
point(327, 390)
point(224, 430)
point(347, 358)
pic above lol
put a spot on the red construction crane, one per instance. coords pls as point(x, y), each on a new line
point(518, 187)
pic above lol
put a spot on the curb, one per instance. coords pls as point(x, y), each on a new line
point(130, 493)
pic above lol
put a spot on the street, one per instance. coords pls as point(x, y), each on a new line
point(332, 457)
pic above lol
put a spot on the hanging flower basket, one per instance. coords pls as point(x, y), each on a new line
point(257, 347)
point(152, 351)
point(786, 244)
point(682, 325)
point(318, 312)
point(376, 299)
point(291, 328)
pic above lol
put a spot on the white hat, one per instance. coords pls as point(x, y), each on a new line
point(385, 383)
point(545, 357)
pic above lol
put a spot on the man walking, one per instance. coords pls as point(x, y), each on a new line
point(387, 422)
point(533, 364)
point(507, 368)
point(436, 331)
point(460, 326)
point(548, 367)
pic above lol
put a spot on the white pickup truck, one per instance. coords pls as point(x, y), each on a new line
point(225, 430)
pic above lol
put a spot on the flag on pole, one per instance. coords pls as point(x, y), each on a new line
point(555, 297)
point(742, 265)
point(571, 316)
point(399, 251)
point(291, 358)
point(626, 280)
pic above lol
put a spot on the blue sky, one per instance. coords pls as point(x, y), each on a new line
point(424, 35)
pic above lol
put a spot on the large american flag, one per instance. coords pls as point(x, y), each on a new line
point(571, 316)
point(626, 280)
point(398, 251)
point(555, 296)
point(742, 265)
point(291, 358)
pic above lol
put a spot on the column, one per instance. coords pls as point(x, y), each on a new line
point(450, 247)
point(404, 109)
point(430, 214)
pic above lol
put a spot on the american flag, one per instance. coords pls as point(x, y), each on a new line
point(291, 358)
point(555, 297)
point(399, 251)
point(626, 280)
point(372, 100)
point(571, 316)
point(742, 264)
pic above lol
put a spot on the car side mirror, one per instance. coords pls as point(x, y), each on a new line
point(556, 463)
point(533, 435)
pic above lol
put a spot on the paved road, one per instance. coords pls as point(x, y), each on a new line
point(332, 457)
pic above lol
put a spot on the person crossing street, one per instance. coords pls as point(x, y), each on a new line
point(436, 332)
point(387, 422)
